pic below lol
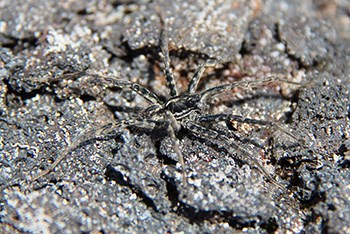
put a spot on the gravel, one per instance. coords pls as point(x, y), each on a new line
point(130, 181)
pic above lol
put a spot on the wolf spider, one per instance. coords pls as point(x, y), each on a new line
point(187, 111)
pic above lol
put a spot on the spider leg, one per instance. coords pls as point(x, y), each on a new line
point(114, 82)
point(110, 82)
point(97, 135)
point(192, 86)
point(205, 133)
point(165, 51)
point(241, 119)
point(172, 127)
point(241, 84)
point(232, 134)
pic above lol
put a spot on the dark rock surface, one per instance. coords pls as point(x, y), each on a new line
point(132, 182)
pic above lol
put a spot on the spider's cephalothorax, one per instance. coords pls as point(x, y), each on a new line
point(187, 111)
point(181, 107)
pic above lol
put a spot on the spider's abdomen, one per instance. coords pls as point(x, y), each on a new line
point(182, 106)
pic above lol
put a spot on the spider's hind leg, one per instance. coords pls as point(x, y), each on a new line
point(173, 127)
point(241, 119)
point(224, 140)
point(86, 138)
point(106, 132)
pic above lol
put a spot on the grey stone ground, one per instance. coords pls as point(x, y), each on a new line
point(131, 183)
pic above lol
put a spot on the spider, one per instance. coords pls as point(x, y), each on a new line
point(188, 111)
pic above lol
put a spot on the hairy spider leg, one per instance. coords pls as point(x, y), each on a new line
point(173, 124)
point(229, 145)
point(241, 84)
point(109, 81)
point(228, 118)
point(99, 134)
point(193, 84)
point(165, 51)
point(241, 119)
point(114, 82)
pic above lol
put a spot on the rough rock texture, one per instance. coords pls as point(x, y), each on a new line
point(129, 180)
